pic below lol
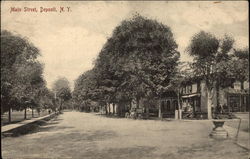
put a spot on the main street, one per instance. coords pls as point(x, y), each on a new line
point(86, 135)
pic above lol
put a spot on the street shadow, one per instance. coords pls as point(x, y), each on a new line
point(52, 123)
point(76, 136)
point(110, 116)
point(48, 128)
point(57, 119)
point(37, 126)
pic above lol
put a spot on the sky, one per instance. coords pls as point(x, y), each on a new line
point(69, 42)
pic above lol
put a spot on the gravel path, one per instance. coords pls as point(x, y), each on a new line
point(83, 135)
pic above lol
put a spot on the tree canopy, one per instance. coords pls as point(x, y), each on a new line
point(138, 60)
point(21, 73)
point(217, 61)
point(62, 91)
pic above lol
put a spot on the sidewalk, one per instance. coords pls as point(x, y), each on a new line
point(22, 123)
point(242, 139)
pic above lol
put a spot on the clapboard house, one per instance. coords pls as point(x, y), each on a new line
point(234, 98)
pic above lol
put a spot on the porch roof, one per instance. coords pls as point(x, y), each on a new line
point(191, 95)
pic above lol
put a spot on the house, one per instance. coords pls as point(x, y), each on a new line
point(163, 107)
point(236, 97)
point(168, 104)
point(233, 98)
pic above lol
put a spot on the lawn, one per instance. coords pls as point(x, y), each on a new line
point(17, 116)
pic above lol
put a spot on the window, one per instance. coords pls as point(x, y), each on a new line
point(237, 85)
point(245, 85)
point(189, 89)
point(184, 90)
point(194, 88)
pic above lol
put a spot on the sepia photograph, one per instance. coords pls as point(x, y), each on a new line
point(125, 80)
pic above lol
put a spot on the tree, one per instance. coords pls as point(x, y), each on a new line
point(62, 91)
point(138, 60)
point(183, 73)
point(240, 64)
point(21, 73)
point(86, 91)
point(212, 61)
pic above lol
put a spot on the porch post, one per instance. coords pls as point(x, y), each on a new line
point(159, 111)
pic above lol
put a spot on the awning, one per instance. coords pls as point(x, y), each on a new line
point(191, 95)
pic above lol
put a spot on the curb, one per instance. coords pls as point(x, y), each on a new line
point(18, 127)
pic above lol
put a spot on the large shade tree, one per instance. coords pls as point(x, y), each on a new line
point(21, 73)
point(213, 58)
point(138, 60)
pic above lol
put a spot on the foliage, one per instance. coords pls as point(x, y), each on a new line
point(62, 90)
point(137, 61)
point(217, 62)
point(21, 73)
point(212, 58)
point(85, 90)
point(240, 64)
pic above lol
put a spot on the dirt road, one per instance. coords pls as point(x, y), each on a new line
point(81, 136)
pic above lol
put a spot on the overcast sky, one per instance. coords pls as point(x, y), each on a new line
point(70, 41)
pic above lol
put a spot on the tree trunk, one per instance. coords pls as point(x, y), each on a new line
point(25, 113)
point(60, 108)
point(240, 103)
point(106, 109)
point(218, 97)
point(179, 106)
point(109, 107)
point(9, 114)
point(118, 108)
point(209, 103)
point(32, 112)
point(113, 108)
point(147, 111)
point(130, 106)
point(159, 112)
point(60, 105)
point(137, 102)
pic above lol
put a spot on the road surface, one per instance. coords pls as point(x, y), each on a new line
point(79, 135)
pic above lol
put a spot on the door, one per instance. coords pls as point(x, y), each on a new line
point(234, 103)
